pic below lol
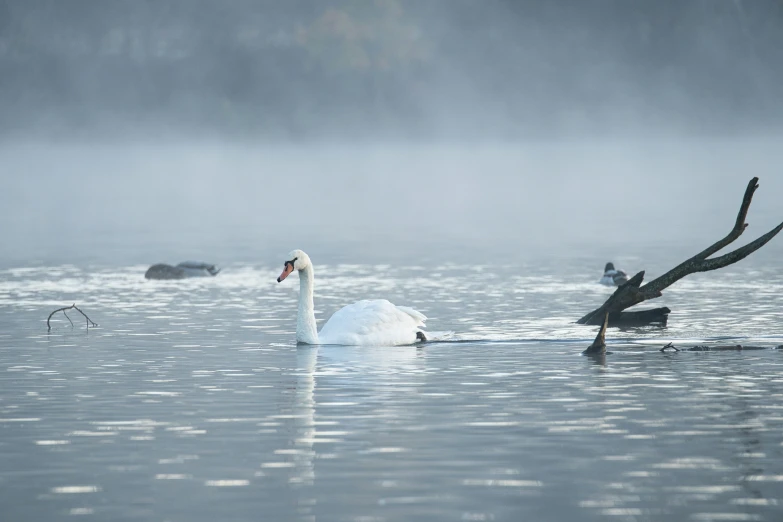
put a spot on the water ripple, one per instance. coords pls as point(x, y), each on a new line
point(195, 392)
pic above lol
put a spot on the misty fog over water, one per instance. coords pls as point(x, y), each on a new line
point(139, 132)
point(138, 203)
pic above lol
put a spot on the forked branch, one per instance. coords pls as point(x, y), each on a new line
point(90, 322)
point(632, 292)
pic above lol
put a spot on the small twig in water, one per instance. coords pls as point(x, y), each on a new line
point(90, 322)
point(670, 345)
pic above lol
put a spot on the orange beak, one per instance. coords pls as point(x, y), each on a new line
point(289, 267)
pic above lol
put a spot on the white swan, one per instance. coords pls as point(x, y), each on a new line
point(370, 322)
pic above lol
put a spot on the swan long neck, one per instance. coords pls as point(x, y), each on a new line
point(306, 331)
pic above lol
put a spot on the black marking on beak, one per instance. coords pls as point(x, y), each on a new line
point(285, 265)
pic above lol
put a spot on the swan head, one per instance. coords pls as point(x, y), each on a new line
point(297, 260)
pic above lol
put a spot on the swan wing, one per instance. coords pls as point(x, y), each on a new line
point(418, 316)
point(373, 323)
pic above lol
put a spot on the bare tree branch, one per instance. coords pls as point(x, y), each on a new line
point(90, 322)
point(740, 253)
point(739, 225)
point(670, 345)
point(632, 293)
point(626, 293)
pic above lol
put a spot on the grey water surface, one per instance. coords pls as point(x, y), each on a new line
point(192, 402)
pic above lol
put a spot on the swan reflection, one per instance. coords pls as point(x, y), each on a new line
point(303, 415)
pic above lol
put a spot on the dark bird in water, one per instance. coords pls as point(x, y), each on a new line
point(183, 270)
point(612, 276)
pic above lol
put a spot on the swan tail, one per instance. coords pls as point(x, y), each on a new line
point(418, 316)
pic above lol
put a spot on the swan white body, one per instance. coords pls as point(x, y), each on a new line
point(370, 322)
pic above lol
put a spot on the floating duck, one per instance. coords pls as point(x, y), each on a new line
point(183, 270)
point(612, 276)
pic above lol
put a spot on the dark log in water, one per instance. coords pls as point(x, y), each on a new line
point(719, 348)
point(183, 270)
point(653, 316)
point(599, 346)
point(164, 271)
point(633, 293)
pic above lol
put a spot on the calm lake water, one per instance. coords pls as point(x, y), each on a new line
point(191, 401)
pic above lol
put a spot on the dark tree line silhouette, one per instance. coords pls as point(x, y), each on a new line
point(300, 68)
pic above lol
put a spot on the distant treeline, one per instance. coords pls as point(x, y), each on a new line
point(304, 68)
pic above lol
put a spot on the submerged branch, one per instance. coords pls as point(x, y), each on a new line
point(599, 345)
point(718, 348)
point(89, 323)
